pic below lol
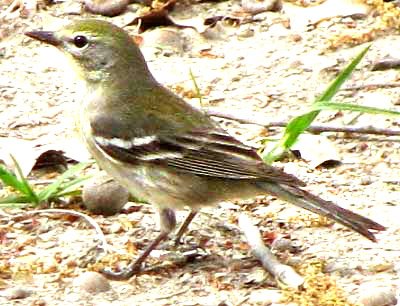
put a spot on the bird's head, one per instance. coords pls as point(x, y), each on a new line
point(97, 49)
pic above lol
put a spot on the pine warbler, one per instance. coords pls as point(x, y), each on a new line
point(161, 148)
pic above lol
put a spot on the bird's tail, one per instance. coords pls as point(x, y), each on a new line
point(306, 200)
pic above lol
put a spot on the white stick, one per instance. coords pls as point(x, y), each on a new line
point(281, 272)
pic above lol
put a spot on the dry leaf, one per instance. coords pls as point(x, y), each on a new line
point(301, 17)
point(316, 150)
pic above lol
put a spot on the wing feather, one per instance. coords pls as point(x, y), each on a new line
point(203, 153)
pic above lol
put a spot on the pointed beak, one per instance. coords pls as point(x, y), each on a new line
point(44, 36)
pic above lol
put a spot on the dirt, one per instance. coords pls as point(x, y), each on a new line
point(264, 68)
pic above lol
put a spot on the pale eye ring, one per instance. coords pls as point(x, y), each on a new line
point(80, 41)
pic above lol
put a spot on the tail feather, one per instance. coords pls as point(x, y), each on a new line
point(315, 204)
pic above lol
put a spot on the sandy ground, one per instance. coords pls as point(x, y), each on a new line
point(261, 67)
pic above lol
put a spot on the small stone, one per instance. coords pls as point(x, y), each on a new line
point(169, 41)
point(116, 228)
point(283, 244)
point(294, 261)
point(378, 297)
point(361, 147)
point(381, 267)
point(296, 64)
point(204, 47)
point(396, 101)
point(257, 7)
point(92, 282)
point(106, 7)
point(245, 32)
point(296, 37)
point(217, 32)
point(338, 267)
point(72, 7)
point(167, 53)
point(103, 195)
point(366, 180)
point(264, 297)
point(256, 276)
point(70, 263)
point(18, 293)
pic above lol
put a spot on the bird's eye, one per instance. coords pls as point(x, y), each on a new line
point(80, 41)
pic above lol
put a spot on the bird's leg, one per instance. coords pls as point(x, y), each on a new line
point(184, 226)
point(167, 223)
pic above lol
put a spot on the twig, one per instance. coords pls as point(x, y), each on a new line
point(392, 181)
point(167, 296)
point(281, 272)
point(372, 86)
point(385, 64)
point(104, 245)
point(259, 120)
point(11, 8)
point(245, 299)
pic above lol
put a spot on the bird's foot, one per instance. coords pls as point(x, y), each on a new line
point(125, 274)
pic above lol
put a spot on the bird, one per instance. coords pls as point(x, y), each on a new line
point(161, 148)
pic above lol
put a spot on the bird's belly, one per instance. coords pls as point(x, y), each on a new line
point(176, 190)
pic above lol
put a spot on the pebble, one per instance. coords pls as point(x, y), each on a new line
point(283, 244)
point(103, 195)
point(294, 261)
point(217, 32)
point(245, 32)
point(116, 228)
point(92, 282)
point(170, 41)
point(18, 293)
point(72, 7)
point(257, 7)
point(264, 297)
point(378, 297)
point(341, 268)
point(365, 180)
point(106, 7)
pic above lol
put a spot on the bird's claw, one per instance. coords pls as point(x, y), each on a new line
point(125, 274)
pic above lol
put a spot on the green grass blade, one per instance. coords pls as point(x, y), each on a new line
point(14, 205)
point(196, 87)
point(292, 131)
point(28, 191)
point(9, 179)
point(15, 199)
point(54, 188)
point(75, 182)
point(342, 77)
point(69, 193)
point(324, 105)
point(66, 187)
point(299, 124)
